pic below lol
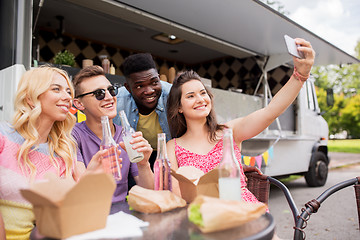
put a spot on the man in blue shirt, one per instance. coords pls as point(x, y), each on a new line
point(143, 98)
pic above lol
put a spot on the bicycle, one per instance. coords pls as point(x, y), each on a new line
point(259, 185)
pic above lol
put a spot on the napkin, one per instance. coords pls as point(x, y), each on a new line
point(118, 225)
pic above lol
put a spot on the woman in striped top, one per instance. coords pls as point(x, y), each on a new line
point(38, 141)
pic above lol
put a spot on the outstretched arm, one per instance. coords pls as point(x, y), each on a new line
point(254, 123)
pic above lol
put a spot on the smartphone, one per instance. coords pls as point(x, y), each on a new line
point(292, 47)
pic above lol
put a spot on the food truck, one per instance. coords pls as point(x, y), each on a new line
point(236, 46)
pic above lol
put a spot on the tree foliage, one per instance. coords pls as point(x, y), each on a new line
point(345, 81)
point(277, 5)
point(350, 116)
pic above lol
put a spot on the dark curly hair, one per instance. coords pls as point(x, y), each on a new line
point(176, 120)
point(137, 63)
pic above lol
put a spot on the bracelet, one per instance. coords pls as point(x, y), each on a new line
point(300, 77)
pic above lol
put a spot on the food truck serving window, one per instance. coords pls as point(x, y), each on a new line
point(310, 96)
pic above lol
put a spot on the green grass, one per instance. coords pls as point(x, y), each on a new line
point(290, 178)
point(346, 145)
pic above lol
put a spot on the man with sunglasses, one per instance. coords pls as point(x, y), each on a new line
point(96, 97)
point(143, 98)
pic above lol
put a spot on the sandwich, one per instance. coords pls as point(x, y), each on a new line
point(151, 201)
point(213, 214)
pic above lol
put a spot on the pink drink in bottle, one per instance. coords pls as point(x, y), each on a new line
point(110, 161)
point(162, 172)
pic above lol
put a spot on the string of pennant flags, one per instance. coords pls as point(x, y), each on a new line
point(80, 117)
point(259, 160)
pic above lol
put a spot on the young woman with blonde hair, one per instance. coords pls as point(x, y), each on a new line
point(38, 141)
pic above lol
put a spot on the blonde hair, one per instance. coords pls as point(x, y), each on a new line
point(27, 111)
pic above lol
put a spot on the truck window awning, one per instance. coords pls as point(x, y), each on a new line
point(237, 28)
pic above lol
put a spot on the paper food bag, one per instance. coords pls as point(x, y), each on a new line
point(151, 201)
point(213, 214)
point(64, 208)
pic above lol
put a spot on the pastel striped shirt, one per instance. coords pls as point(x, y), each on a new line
point(16, 211)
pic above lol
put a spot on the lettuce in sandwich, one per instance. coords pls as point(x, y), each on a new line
point(213, 214)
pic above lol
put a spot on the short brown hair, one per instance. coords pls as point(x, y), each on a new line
point(91, 71)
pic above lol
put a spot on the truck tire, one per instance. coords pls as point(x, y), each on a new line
point(318, 170)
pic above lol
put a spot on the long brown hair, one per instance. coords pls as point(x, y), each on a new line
point(176, 120)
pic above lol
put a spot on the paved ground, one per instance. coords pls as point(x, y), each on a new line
point(337, 218)
point(343, 159)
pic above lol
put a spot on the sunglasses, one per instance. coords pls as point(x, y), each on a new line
point(100, 93)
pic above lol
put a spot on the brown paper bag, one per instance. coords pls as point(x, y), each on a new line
point(220, 214)
point(151, 201)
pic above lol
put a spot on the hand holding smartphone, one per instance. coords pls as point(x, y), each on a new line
point(292, 47)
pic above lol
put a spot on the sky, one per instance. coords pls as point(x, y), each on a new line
point(336, 21)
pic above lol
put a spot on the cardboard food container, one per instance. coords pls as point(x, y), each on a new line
point(206, 185)
point(64, 208)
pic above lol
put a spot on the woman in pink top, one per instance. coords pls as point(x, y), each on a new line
point(197, 137)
